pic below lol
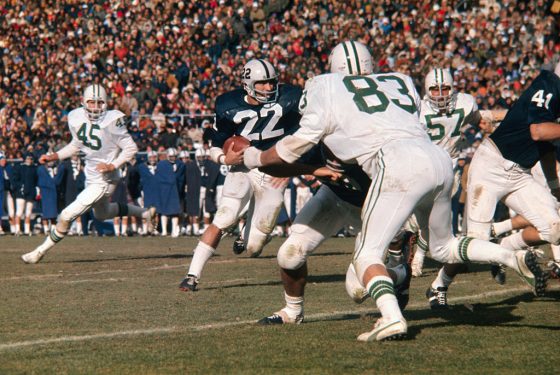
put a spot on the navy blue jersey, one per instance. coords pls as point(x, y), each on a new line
point(354, 185)
point(263, 124)
point(539, 103)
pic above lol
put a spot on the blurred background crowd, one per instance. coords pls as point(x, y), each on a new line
point(163, 63)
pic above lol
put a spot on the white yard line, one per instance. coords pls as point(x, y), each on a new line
point(174, 329)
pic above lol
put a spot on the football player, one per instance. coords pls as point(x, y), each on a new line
point(446, 113)
point(372, 120)
point(102, 136)
point(501, 167)
point(331, 208)
point(263, 111)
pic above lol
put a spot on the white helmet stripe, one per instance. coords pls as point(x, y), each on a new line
point(348, 59)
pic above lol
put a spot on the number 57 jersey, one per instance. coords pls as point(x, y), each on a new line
point(263, 124)
point(101, 142)
point(356, 116)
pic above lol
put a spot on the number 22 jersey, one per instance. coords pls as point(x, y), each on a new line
point(263, 124)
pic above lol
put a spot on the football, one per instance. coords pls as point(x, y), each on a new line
point(239, 143)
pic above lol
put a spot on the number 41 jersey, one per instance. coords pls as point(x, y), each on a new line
point(101, 142)
point(263, 124)
point(539, 103)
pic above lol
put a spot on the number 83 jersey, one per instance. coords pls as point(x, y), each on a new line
point(101, 142)
point(263, 124)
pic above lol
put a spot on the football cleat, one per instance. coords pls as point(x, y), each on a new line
point(554, 269)
point(401, 290)
point(33, 256)
point(189, 284)
point(499, 273)
point(280, 317)
point(386, 329)
point(238, 245)
point(437, 298)
point(530, 272)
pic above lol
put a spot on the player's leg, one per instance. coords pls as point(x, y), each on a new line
point(84, 201)
point(397, 187)
point(237, 192)
point(268, 200)
point(10, 203)
point(321, 218)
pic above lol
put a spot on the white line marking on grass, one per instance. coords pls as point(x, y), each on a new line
point(311, 317)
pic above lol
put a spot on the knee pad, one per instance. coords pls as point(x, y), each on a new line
point(480, 230)
point(354, 287)
point(292, 254)
point(256, 242)
point(553, 235)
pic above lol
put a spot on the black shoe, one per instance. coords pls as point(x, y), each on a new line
point(238, 245)
point(278, 318)
point(401, 291)
point(499, 273)
point(189, 284)
point(437, 298)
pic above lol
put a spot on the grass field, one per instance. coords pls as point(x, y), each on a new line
point(112, 306)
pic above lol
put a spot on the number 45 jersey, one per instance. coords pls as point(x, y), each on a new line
point(263, 124)
point(445, 129)
point(539, 103)
point(101, 142)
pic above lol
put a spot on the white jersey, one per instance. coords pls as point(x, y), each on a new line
point(357, 115)
point(101, 142)
point(445, 129)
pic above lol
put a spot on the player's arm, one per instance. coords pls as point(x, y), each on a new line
point(64, 153)
point(126, 144)
point(548, 165)
point(545, 131)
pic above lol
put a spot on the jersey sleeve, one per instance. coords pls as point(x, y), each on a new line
point(223, 126)
point(314, 107)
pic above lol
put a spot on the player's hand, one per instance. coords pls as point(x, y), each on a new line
point(233, 157)
point(105, 168)
point(45, 158)
point(556, 193)
point(279, 182)
point(327, 173)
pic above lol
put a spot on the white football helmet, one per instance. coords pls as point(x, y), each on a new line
point(351, 58)
point(94, 101)
point(440, 79)
point(258, 70)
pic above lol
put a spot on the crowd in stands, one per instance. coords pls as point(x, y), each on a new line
point(164, 62)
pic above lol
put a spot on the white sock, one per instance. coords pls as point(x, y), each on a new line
point(134, 227)
point(202, 253)
point(442, 280)
point(175, 226)
point(12, 228)
point(555, 252)
point(195, 228)
point(382, 291)
point(124, 229)
point(502, 227)
point(116, 227)
point(27, 228)
point(52, 239)
point(79, 227)
point(294, 306)
point(145, 228)
point(472, 250)
point(514, 242)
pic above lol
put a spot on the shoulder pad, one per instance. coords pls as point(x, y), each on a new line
point(230, 100)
